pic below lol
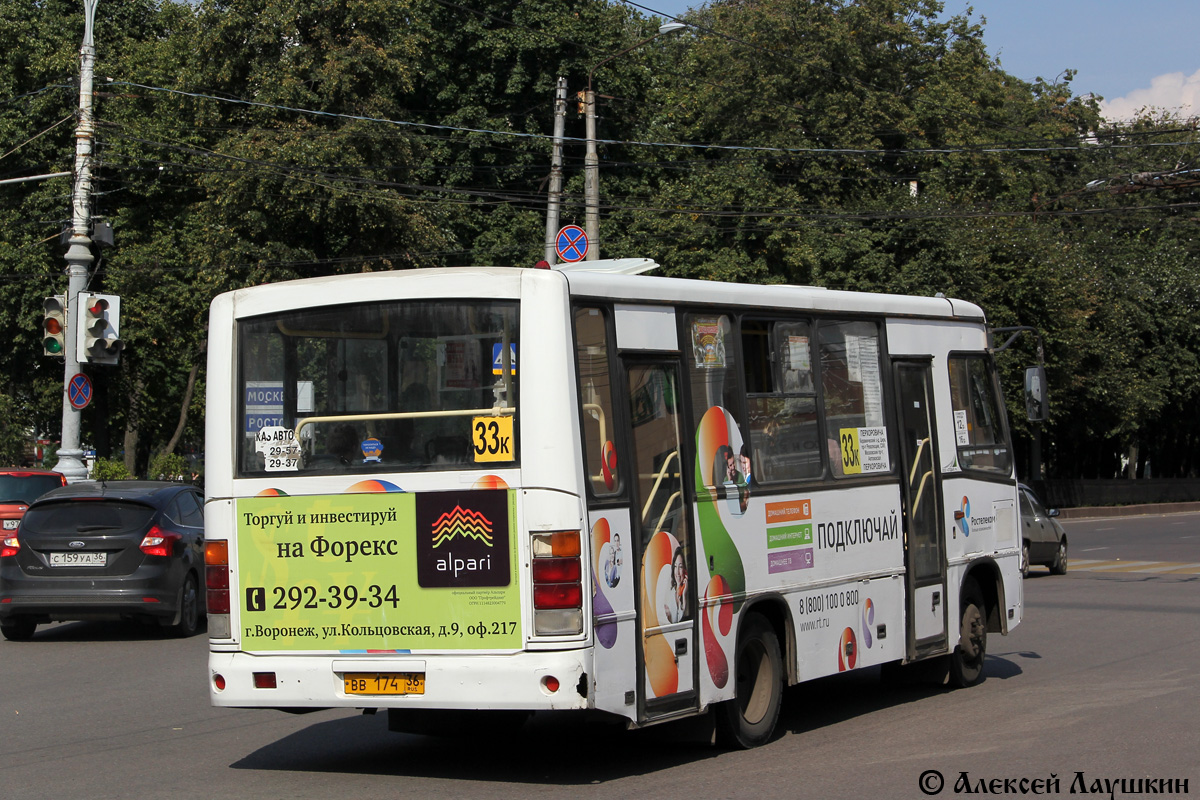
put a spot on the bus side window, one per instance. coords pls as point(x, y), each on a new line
point(852, 382)
point(781, 399)
point(980, 432)
point(601, 459)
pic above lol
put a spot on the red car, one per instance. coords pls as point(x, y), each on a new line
point(19, 487)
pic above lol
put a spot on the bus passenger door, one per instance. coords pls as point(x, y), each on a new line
point(924, 534)
point(663, 542)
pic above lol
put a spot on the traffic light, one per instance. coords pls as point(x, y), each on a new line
point(54, 326)
point(98, 340)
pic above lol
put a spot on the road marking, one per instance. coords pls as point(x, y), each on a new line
point(1092, 549)
point(1156, 567)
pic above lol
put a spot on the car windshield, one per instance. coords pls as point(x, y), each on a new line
point(86, 516)
point(26, 488)
point(374, 387)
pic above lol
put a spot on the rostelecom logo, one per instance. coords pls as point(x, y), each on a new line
point(462, 523)
point(463, 538)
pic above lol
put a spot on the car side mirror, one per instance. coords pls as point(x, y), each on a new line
point(1037, 406)
point(1052, 512)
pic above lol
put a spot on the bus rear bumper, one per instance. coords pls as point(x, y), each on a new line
point(527, 681)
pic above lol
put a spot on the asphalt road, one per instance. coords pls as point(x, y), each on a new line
point(1101, 679)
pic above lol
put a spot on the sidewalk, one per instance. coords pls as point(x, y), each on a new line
point(1149, 509)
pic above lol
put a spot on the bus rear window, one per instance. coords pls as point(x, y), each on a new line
point(378, 387)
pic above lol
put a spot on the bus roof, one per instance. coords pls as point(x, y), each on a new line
point(622, 280)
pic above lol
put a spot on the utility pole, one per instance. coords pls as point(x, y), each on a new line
point(591, 178)
point(79, 255)
point(556, 170)
point(591, 161)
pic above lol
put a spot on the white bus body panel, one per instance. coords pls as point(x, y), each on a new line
point(548, 488)
point(990, 524)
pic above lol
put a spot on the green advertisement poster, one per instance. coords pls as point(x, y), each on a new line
point(389, 571)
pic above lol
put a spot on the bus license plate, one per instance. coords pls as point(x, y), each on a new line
point(384, 682)
point(77, 559)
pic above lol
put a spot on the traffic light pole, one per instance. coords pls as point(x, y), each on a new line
point(79, 254)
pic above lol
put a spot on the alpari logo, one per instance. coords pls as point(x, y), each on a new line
point(462, 523)
point(964, 520)
point(463, 539)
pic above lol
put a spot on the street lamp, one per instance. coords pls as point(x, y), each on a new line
point(79, 255)
point(591, 162)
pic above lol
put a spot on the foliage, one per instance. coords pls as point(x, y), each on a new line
point(14, 435)
point(104, 469)
point(168, 466)
point(860, 144)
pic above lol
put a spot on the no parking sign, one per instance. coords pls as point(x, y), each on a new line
point(79, 391)
point(571, 244)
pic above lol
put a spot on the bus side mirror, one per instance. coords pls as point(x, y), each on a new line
point(1037, 407)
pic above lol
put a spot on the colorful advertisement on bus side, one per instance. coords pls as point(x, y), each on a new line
point(389, 571)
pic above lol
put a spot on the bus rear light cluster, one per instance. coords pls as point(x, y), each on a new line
point(557, 584)
point(216, 584)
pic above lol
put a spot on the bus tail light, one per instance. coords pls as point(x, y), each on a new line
point(557, 584)
point(216, 584)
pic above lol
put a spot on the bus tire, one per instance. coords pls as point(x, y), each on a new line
point(748, 720)
point(966, 660)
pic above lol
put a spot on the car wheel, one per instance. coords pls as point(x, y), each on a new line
point(748, 720)
point(966, 661)
point(18, 629)
point(1025, 560)
point(189, 609)
point(1059, 567)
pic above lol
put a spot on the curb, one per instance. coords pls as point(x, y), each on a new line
point(1147, 509)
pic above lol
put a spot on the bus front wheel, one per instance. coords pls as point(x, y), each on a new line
point(748, 720)
point(966, 660)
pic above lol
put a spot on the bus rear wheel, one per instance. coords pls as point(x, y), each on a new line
point(966, 661)
point(748, 720)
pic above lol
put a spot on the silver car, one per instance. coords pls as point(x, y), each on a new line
point(1044, 540)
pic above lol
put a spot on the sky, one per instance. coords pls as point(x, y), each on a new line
point(1133, 53)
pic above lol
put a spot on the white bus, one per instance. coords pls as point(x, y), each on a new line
point(517, 490)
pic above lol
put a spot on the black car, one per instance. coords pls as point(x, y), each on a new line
point(1044, 540)
point(115, 550)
